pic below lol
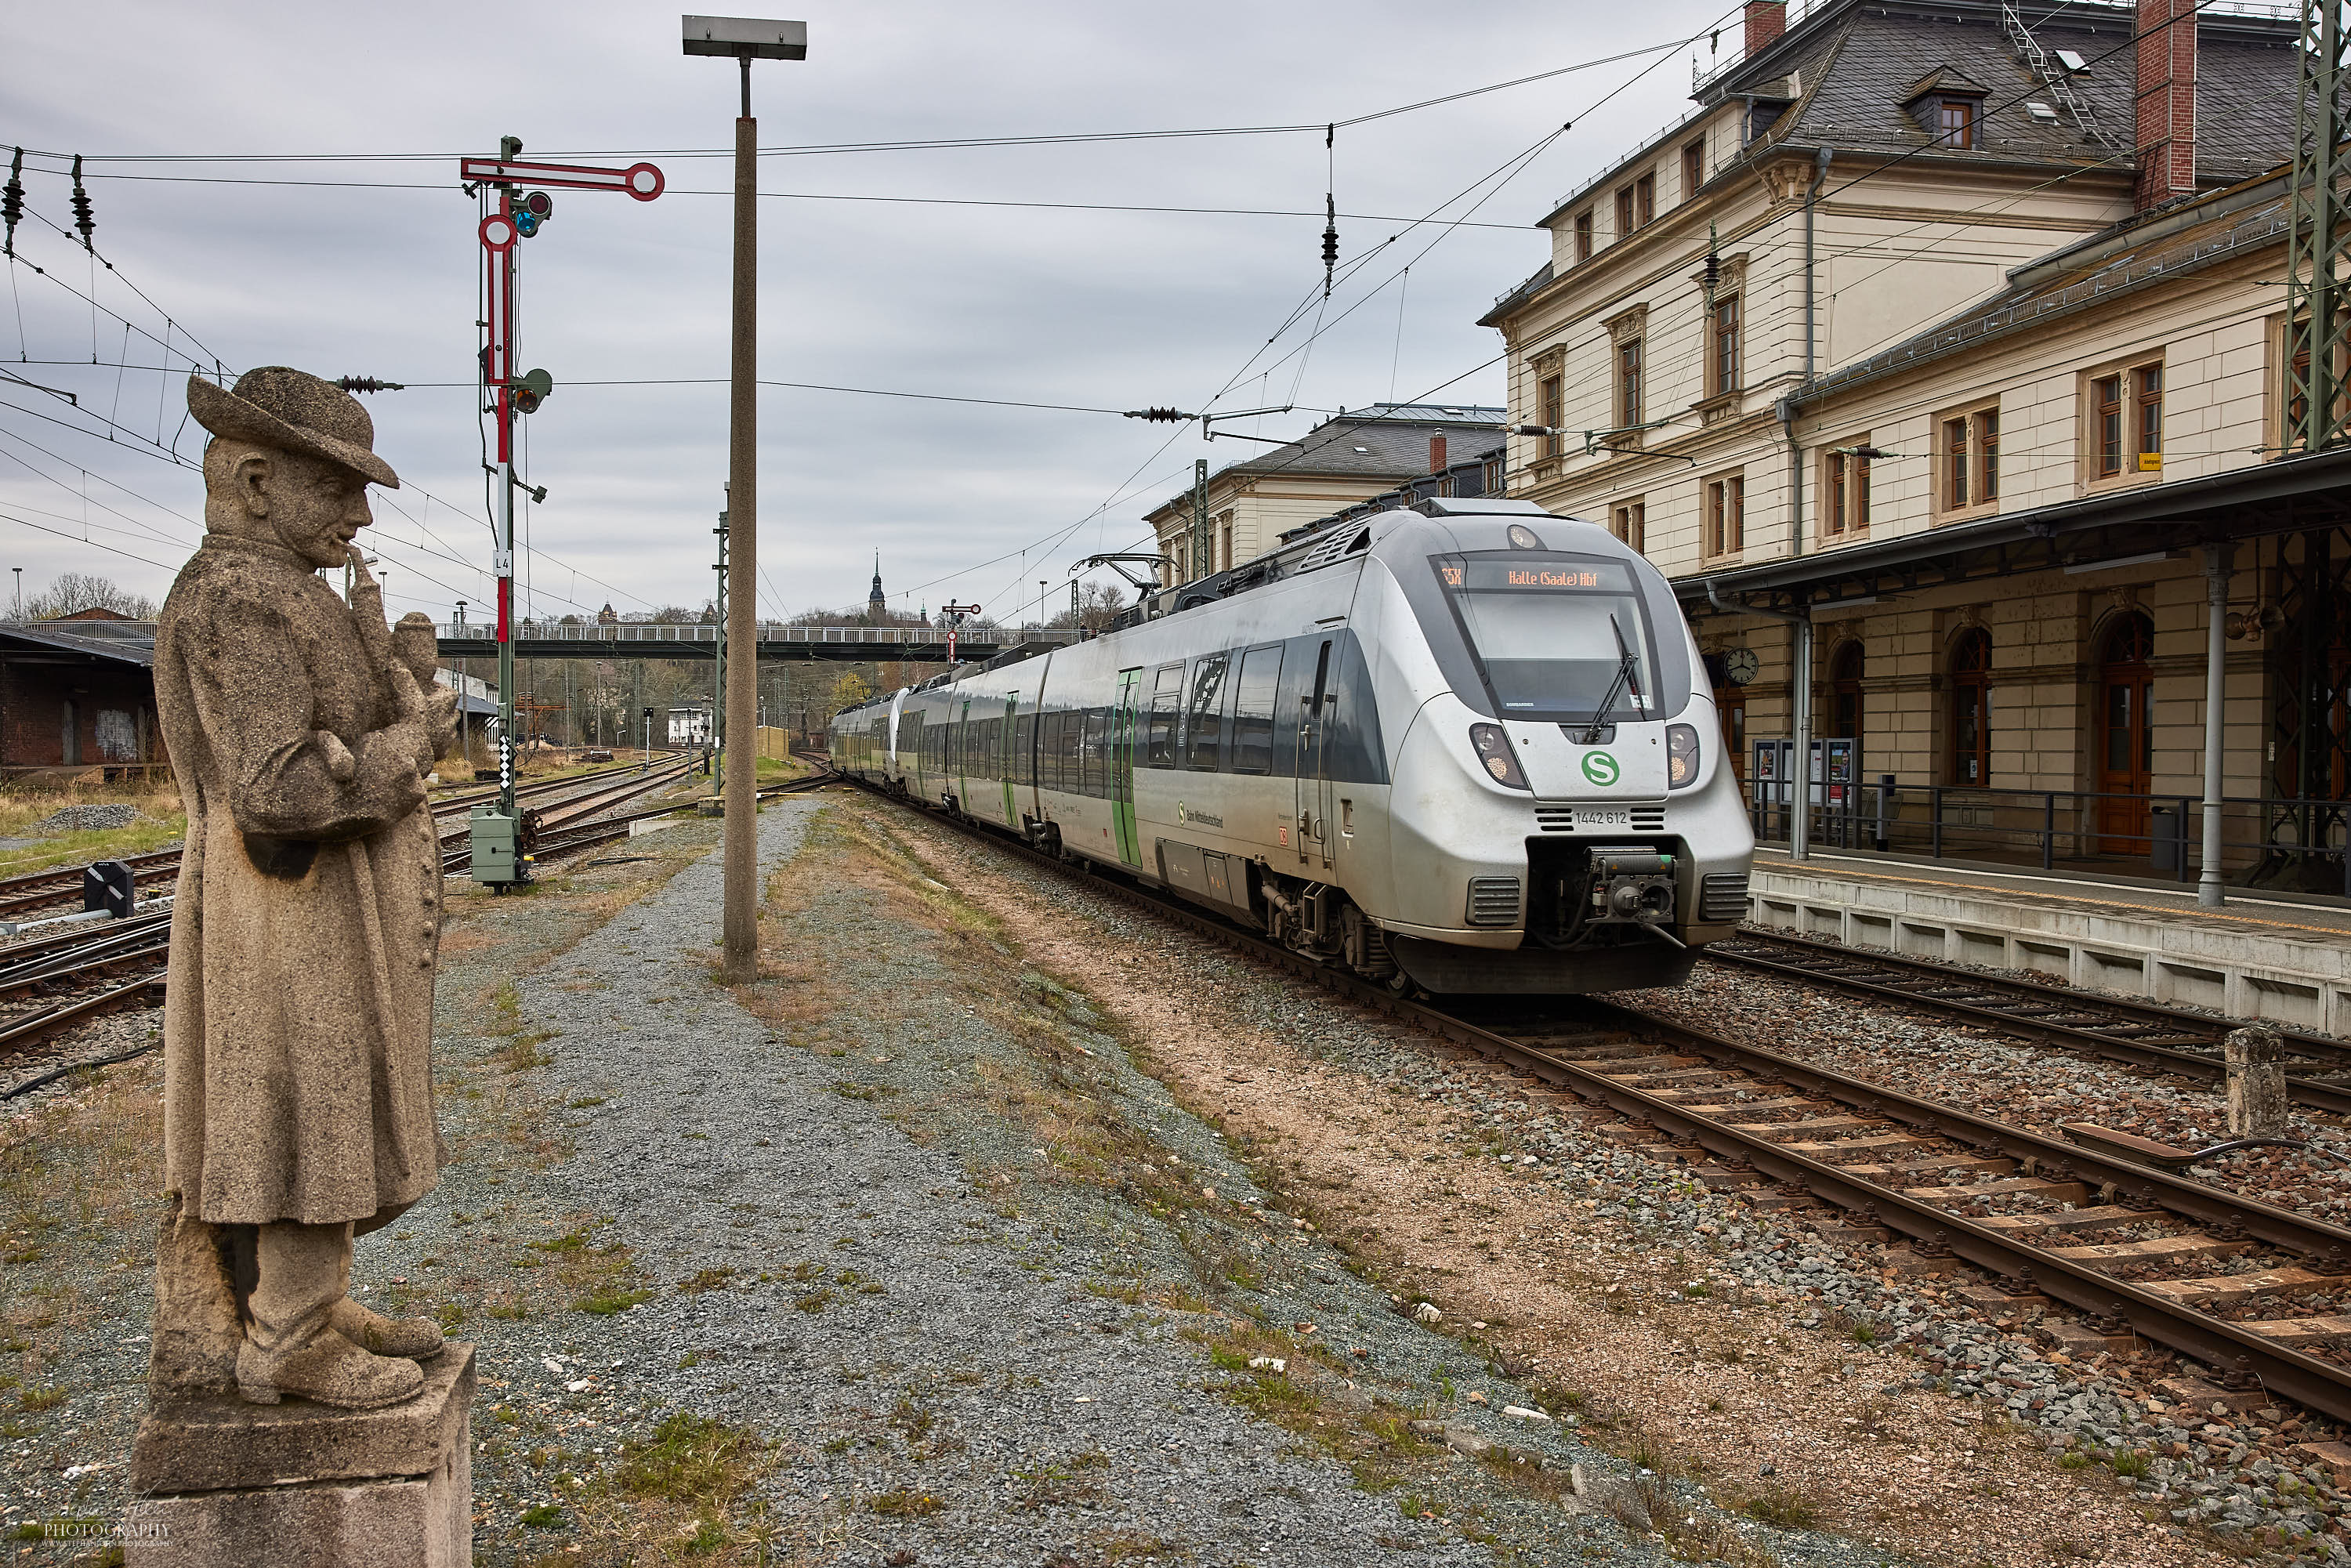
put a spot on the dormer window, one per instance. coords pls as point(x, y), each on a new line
point(1947, 106)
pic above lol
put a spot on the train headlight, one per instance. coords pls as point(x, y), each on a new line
point(1681, 756)
point(1493, 749)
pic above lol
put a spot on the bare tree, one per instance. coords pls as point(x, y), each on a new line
point(74, 591)
point(1098, 604)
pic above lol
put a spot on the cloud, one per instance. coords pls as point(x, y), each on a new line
point(1101, 309)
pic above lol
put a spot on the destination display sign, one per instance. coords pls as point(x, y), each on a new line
point(1520, 574)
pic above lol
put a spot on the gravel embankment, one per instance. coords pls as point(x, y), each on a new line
point(969, 1350)
point(2236, 1473)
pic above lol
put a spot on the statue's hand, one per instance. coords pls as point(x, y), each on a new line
point(412, 729)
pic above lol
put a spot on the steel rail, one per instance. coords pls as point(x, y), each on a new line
point(2074, 1036)
point(2281, 1370)
point(35, 889)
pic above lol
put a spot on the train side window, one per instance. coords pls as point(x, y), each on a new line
point(1203, 732)
point(1098, 751)
point(1024, 748)
point(1166, 709)
point(1048, 750)
point(1072, 749)
point(1253, 709)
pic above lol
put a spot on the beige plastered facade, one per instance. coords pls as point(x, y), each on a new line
point(1892, 255)
point(1248, 514)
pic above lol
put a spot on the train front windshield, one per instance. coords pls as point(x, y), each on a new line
point(1557, 637)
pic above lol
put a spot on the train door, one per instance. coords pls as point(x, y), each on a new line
point(1122, 770)
point(2126, 737)
point(963, 757)
point(1311, 793)
point(1005, 755)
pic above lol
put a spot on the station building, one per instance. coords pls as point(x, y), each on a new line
point(1940, 362)
point(1348, 458)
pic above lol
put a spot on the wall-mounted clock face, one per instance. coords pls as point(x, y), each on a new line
point(1741, 666)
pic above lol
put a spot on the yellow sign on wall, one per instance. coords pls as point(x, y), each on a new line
point(2150, 462)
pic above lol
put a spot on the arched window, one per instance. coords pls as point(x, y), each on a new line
point(1845, 716)
point(1971, 707)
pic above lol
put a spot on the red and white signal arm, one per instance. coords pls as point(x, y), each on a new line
point(642, 181)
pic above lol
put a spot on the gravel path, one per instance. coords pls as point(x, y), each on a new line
point(974, 1347)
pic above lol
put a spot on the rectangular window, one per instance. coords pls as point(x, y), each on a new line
point(1551, 396)
point(1583, 234)
point(1072, 751)
point(1693, 168)
point(2106, 423)
point(1024, 745)
point(1722, 363)
point(1166, 717)
point(1967, 461)
point(1628, 520)
point(1726, 515)
point(1097, 751)
point(1224, 545)
point(1645, 201)
point(1204, 730)
point(1628, 383)
point(1253, 709)
point(1624, 212)
point(2125, 412)
point(1955, 119)
point(1844, 491)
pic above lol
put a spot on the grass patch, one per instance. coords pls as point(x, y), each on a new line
point(707, 1280)
point(1782, 1506)
point(904, 1502)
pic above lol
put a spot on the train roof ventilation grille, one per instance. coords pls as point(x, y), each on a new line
point(1342, 542)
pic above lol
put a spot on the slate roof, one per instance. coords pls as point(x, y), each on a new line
point(1387, 442)
point(1857, 61)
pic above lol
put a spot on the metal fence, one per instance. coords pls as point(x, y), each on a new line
point(2266, 841)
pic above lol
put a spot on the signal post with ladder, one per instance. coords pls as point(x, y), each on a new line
point(500, 857)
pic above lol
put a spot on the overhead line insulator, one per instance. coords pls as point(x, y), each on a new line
point(12, 202)
point(82, 219)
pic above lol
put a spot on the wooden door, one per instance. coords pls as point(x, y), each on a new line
point(2125, 738)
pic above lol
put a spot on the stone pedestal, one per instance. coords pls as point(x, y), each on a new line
point(220, 1483)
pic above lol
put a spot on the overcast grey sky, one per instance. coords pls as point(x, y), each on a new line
point(1109, 310)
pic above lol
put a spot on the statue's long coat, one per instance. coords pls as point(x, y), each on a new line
point(297, 1030)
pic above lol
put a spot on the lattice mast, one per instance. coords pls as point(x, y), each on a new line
point(2318, 240)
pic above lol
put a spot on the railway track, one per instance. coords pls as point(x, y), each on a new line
point(140, 946)
point(2140, 1034)
point(2250, 1289)
point(36, 890)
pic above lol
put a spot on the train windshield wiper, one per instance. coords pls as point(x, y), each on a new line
point(1625, 678)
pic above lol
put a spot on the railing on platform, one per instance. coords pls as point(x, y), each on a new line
point(648, 632)
point(2267, 842)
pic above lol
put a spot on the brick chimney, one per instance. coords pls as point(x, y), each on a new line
point(1766, 20)
point(1437, 455)
point(2167, 101)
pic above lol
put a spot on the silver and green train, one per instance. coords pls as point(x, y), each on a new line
point(1466, 749)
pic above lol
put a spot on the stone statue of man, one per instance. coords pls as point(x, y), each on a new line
point(298, 1027)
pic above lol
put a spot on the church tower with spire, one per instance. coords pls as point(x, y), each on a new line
point(877, 606)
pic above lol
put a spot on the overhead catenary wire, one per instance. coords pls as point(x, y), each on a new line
point(917, 144)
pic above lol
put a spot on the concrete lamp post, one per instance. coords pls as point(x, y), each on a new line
point(745, 39)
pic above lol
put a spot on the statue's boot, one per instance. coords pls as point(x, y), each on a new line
point(418, 1339)
point(291, 1345)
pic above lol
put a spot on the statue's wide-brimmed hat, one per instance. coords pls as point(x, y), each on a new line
point(292, 411)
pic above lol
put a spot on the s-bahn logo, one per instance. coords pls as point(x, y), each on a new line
point(1600, 767)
